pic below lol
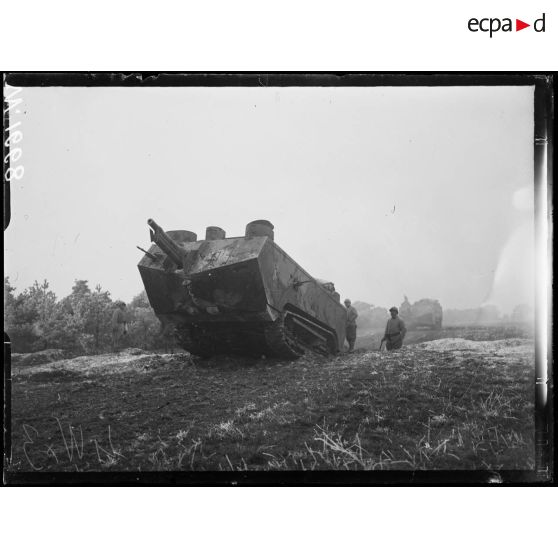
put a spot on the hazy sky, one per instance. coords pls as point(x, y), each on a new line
point(384, 191)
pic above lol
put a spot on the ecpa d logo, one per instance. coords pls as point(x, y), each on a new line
point(493, 25)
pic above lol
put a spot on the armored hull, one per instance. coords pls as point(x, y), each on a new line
point(241, 295)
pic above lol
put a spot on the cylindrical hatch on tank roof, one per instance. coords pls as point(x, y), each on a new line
point(183, 236)
point(214, 233)
point(260, 227)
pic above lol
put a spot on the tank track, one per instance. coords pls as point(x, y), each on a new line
point(194, 344)
point(274, 340)
point(282, 341)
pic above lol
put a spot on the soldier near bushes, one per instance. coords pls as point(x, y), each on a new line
point(351, 328)
point(119, 325)
point(395, 331)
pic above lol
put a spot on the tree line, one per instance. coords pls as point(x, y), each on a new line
point(80, 323)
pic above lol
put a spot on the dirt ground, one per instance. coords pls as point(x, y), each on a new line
point(461, 398)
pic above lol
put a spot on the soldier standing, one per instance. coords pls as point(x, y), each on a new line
point(395, 331)
point(119, 325)
point(351, 328)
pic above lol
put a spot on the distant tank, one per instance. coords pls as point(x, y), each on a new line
point(425, 313)
point(240, 295)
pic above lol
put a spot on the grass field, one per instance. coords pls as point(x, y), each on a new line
point(447, 404)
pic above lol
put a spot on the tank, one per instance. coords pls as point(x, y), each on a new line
point(239, 295)
point(425, 313)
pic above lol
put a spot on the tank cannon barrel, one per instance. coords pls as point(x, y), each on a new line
point(165, 243)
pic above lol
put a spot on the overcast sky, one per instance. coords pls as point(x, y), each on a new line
point(384, 191)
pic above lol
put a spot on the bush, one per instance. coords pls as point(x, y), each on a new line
point(80, 323)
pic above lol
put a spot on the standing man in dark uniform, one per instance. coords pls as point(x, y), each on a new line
point(395, 331)
point(351, 328)
point(119, 325)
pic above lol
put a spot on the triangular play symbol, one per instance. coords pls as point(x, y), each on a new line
point(519, 25)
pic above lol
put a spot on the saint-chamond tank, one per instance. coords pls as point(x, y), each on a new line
point(240, 295)
point(425, 313)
